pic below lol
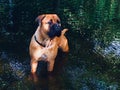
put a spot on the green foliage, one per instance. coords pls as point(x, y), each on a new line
point(94, 20)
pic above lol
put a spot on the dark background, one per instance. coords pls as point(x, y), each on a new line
point(96, 21)
point(94, 40)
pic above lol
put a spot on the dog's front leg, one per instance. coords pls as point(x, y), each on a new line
point(50, 65)
point(34, 65)
point(51, 53)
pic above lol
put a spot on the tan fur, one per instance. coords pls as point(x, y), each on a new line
point(49, 52)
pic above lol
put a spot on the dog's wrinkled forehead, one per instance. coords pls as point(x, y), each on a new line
point(53, 18)
point(47, 17)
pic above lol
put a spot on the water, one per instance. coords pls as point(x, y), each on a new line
point(88, 66)
point(81, 69)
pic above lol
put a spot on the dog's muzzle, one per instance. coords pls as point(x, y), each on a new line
point(55, 30)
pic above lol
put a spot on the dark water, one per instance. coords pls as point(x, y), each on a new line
point(81, 69)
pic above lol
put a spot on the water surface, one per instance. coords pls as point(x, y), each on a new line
point(81, 69)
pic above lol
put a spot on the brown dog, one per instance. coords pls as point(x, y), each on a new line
point(46, 40)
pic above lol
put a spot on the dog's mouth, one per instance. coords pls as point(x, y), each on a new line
point(55, 30)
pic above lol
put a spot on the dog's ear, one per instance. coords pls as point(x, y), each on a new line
point(40, 18)
point(58, 19)
point(56, 16)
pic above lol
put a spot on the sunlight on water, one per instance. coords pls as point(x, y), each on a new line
point(114, 48)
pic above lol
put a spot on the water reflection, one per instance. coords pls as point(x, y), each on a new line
point(111, 52)
point(114, 48)
point(17, 69)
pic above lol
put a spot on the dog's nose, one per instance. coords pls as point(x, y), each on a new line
point(55, 30)
point(56, 27)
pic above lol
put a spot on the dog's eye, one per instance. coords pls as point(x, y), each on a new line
point(50, 22)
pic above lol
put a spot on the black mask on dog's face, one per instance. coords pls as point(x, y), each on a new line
point(55, 30)
point(50, 24)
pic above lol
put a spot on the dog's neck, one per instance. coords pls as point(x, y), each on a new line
point(41, 37)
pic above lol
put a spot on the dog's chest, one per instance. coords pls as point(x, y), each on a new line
point(46, 42)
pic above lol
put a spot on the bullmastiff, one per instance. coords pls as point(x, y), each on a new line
point(47, 39)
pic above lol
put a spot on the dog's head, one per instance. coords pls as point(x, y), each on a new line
point(50, 24)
